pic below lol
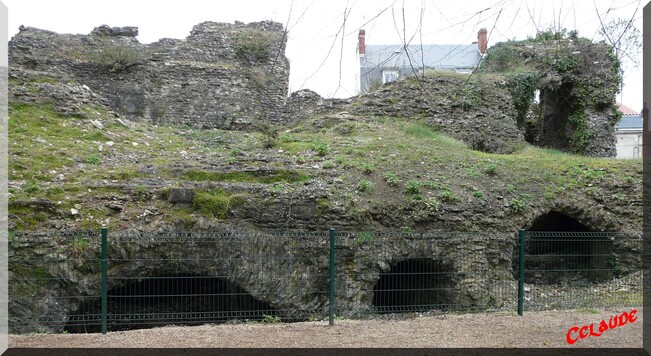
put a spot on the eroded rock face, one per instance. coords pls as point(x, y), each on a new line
point(479, 114)
point(557, 129)
point(289, 272)
point(105, 30)
point(577, 79)
point(221, 76)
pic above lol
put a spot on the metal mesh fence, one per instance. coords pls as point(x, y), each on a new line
point(421, 272)
point(573, 270)
point(42, 267)
point(153, 279)
point(196, 278)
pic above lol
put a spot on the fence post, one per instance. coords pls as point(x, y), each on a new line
point(104, 282)
point(521, 271)
point(331, 318)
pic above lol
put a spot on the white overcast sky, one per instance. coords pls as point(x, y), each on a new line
point(319, 59)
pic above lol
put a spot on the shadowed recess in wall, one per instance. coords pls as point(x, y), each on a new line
point(415, 285)
point(177, 299)
point(571, 257)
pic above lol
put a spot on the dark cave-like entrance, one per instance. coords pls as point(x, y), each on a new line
point(555, 221)
point(414, 285)
point(178, 299)
point(555, 257)
point(554, 129)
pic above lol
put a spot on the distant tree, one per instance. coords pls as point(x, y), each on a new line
point(625, 38)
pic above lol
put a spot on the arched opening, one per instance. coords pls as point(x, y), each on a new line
point(556, 257)
point(554, 129)
point(178, 299)
point(555, 221)
point(414, 285)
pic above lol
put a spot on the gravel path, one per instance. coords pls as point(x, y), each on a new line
point(534, 329)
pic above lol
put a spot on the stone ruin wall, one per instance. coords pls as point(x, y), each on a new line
point(221, 76)
point(209, 81)
point(358, 267)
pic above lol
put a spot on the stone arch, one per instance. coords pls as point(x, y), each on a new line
point(556, 258)
point(179, 299)
point(415, 285)
point(557, 221)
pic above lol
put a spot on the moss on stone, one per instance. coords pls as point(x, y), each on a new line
point(216, 203)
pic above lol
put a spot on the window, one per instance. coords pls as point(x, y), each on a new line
point(389, 76)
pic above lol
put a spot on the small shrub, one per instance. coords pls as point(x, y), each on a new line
point(392, 179)
point(517, 205)
point(431, 204)
point(490, 168)
point(320, 148)
point(368, 168)
point(431, 185)
point(32, 188)
point(344, 162)
point(548, 177)
point(54, 191)
point(141, 192)
point(365, 186)
point(447, 196)
point(116, 56)
point(255, 46)
point(478, 194)
point(329, 164)
point(287, 137)
point(594, 174)
point(472, 173)
point(78, 246)
point(93, 159)
point(271, 319)
point(412, 187)
point(364, 238)
point(550, 193)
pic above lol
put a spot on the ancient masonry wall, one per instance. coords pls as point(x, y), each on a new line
point(220, 76)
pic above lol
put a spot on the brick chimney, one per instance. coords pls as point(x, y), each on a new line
point(482, 40)
point(361, 42)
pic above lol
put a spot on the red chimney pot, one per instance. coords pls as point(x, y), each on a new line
point(361, 40)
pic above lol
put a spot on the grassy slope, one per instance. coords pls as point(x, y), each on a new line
point(378, 161)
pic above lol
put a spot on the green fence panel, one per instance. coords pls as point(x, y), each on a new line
point(521, 265)
point(53, 275)
point(331, 316)
point(574, 270)
point(77, 282)
point(104, 280)
point(431, 272)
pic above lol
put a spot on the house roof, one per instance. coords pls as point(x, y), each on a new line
point(630, 123)
point(433, 56)
point(626, 111)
